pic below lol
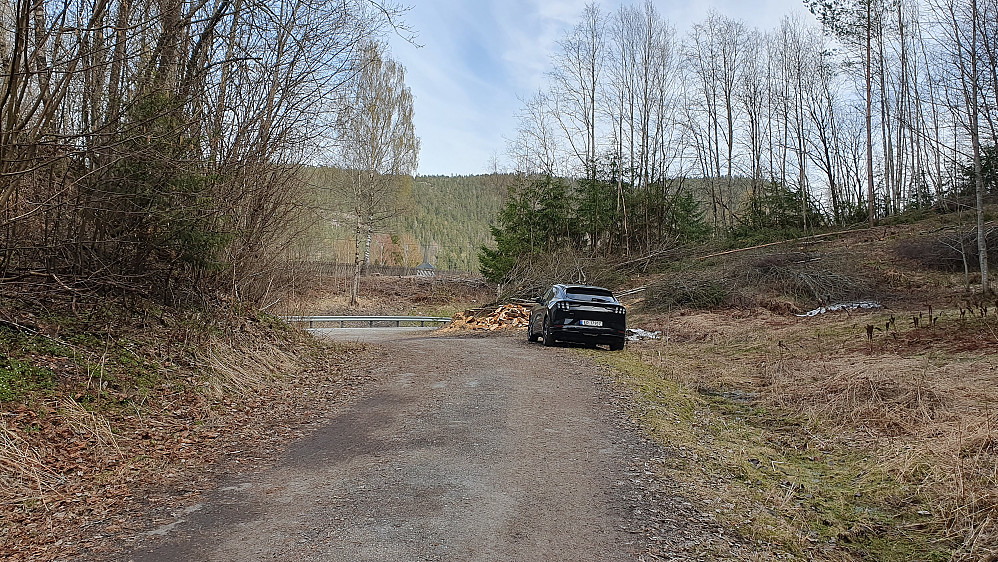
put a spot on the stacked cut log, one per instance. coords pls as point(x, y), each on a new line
point(509, 316)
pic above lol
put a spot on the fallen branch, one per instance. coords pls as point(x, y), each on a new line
point(792, 240)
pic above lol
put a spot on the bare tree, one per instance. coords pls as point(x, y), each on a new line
point(823, 146)
point(752, 94)
point(963, 18)
point(639, 100)
point(155, 146)
point(578, 70)
point(856, 23)
point(715, 57)
point(536, 148)
point(772, 107)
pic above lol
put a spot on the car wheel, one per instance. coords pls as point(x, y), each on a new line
point(531, 336)
point(617, 346)
point(548, 337)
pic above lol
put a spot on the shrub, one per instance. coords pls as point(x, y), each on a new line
point(796, 275)
point(775, 212)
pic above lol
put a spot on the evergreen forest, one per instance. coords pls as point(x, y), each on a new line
point(441, 219)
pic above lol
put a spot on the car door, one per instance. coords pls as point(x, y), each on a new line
point(539, 311)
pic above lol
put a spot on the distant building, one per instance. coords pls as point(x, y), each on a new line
point(426, 270)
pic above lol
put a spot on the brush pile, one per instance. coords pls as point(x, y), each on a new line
point(508, 316)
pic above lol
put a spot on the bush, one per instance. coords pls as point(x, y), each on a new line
point(791, 280)
point(967, 182)
point(804, 279)
point(776, 212)
point(533, 274)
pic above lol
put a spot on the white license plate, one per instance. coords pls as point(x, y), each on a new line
point(596, 323)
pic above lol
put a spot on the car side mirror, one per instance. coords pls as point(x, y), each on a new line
point(539, 300)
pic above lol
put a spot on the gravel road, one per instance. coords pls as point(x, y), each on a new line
point(463, 448)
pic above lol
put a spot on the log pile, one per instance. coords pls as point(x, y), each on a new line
point(508, 316)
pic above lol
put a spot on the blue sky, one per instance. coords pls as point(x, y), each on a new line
point(478, 58)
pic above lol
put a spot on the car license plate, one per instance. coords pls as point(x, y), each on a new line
point(596, 323)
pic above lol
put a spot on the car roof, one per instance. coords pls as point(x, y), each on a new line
point(573, 286)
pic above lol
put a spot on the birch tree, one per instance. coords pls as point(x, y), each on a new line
point(380, 149)
point(715, 57)
point(640, 98)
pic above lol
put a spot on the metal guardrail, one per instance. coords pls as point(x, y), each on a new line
point(423, 320)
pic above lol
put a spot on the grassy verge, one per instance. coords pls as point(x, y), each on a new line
point(99, 412)
point(810, 438)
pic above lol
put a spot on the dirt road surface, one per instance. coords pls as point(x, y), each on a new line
point(463, 449)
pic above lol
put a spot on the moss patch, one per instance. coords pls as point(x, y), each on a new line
point(18, 378)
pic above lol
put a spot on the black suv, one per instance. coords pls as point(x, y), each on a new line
point(578, 313)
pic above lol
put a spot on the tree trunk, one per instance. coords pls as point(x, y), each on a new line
point(115, 82)
point(366, 263)
point(869, 118)
point(975, 139)
point(355, 286)
point(982, 235)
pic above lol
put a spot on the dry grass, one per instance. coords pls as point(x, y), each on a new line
point(238, 370)
point(928, 421)
point(23, 474)
point(948, 250)
point(913, 399)
point(132, 405)
point(782, 282)
point(442, 295)
point(866, 395)
point(91, 426)
point(916, 405)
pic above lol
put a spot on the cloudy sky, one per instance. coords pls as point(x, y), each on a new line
point(477, 59)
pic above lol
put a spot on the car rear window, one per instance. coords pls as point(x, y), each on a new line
point(589, 294)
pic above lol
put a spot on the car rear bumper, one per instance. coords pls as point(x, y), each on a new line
point(586, 334)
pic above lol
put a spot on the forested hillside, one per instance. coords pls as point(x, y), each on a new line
point(443, 218)
point(452, 215)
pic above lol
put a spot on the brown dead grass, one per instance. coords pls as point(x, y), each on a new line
point(239, 368)
point(920, 396)
point(799, 275)
point(139, 400)
point(921, 401)
point(24, 475)
point(90, 426)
